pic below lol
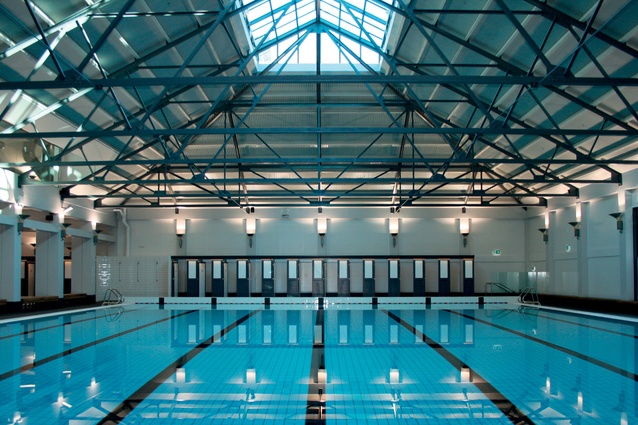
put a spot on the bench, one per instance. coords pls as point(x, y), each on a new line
point(76, 299)
point(31, 303)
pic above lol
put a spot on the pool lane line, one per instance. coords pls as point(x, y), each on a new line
point(505, 405)
point(582, 325)
point(33, 331)
point(604, 365)
point(316, 400)
point(64, 353)
point(122, 410)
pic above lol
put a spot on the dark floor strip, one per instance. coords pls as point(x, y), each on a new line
point(316, 405)
point(31, 332)
point(509, 409)
point(120, 412)
point(609, 367)
point(37, 363)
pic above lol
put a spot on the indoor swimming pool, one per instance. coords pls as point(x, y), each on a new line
point(458, 364)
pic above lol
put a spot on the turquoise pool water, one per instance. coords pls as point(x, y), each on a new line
point(394, 364)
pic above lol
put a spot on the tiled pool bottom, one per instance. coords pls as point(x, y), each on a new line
point(246, 364)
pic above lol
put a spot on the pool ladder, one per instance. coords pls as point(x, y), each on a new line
point(529, 296)
point(112, 297)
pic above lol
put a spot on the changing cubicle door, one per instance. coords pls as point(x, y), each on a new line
point(468, 276)
point(175, 279)
point(243, 281)
point(419, 278)
point(217, 282)
point(368, 278)
point(444, 277)
point(343, 278)
point(394, 278)
point(267, 278)
point(192, 278)
point(293, 278)
point(318, 278)
point(202, 278)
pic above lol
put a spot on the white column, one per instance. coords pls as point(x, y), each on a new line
point(626, 249)
point(83, 252)
point(10, 262)
point(583, 255)
point(550, 253)
point(49, 264)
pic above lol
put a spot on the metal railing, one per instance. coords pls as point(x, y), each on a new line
point(529, 296)
point(499, 285)
point(112, 297)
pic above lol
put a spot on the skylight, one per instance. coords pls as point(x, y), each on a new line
point(286, 32)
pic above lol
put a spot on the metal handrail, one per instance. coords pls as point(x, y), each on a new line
point(498, 285)
point(529, 296)
point(112, 297)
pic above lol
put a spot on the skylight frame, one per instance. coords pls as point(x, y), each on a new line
point(363, 20)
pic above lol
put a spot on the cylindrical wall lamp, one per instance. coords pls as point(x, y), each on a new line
point(394, 229)
point(251, 226)
point(180, 230)
point(322, 228)
point(576, 224)
point(621, 209)
point(545, 229)
point(464, 228)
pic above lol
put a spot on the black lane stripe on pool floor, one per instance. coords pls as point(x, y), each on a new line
point(509, 409)
point(121, 411)
point(604, 365)
point(64, 353)
point(316, 402)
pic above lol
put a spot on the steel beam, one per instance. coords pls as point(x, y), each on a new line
point(512, 80)
point(315, 130)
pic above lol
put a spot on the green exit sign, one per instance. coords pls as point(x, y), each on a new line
point(496, 252)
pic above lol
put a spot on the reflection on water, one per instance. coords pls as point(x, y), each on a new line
point(133, 364)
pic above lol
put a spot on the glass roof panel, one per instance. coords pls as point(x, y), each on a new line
point(361, 23)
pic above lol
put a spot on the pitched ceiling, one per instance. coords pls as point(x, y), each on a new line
point(283, 103)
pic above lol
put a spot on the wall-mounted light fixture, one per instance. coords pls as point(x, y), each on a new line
point(96, 234)
point(545, 235)
point(576, 226)
point(180, 230)
point(464, 228)
point(394, 229)
point(619, 223)
point(322, 227)
point(621, 209)
point(63, 231)
point(545, 229)
point(21, 219)
point(251, 226)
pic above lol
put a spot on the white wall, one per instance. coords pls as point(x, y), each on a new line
point(351, 233)
point(600, 263)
